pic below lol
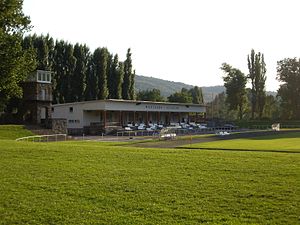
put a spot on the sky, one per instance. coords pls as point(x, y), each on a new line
point(177, 40)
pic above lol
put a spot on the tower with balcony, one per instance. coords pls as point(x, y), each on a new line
point(37, 97)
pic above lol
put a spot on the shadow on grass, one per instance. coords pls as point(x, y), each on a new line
point(238, 150)
point(263, 135)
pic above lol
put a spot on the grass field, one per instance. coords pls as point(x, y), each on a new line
point(289, 142)
point(12, 132)
point(106, 183)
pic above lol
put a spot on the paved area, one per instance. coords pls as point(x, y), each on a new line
point(145, 141)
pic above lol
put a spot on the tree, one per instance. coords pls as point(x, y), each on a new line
point(184, 96)
point(150, 95)
point(235, 84)
point(15, 62)
point(81, 53)
point(197, 95)
point(112, 78)
point(128, 82)
point(91, 81)
point(288, 72)
point(271, 109)
point(100, 60)
point(119, 80)
point(257, 75)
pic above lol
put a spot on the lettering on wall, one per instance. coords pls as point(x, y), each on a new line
point(161, 107)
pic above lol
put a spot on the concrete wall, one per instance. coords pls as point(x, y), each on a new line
point(73, 113)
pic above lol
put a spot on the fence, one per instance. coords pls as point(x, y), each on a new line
point(44, 138)
point(156, 133)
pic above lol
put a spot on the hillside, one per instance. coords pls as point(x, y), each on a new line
point(169, 87)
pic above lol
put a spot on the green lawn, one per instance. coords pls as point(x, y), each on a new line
point(283, 142)
point(101, 183)
point(13, 132)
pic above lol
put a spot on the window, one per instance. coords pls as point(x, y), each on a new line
point(39, 76)
point(48, 76)
point(71, 109)
point(52, 109)
point(74, 121)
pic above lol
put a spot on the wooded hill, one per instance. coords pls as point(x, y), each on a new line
point(167, 88)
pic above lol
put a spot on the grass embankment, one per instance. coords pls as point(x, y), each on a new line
point(99, 183)
point(289, 142)
point(12, 132)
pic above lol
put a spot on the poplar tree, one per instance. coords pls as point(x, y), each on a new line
point(91, 81)
point(257, 76)
point(119, 80)
point(113, 78)
point(69, 62)
point(81, 53)
point(128, 87)
point(197, 95)
point(100, 69)
point(58, 72)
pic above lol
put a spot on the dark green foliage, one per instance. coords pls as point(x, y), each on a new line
point(235, 84)
point(15, 62)
point(289, 74)
point(78, 82)
point(64, 67)
point(58, 69)
point(91, 82)
point(100, 61)
point(272, 108)
point(115, 78)
point(119, 80)
point(150, 95)
point(257, 75)
point(218, 108)
point(182, 97)
point(197, 95)
point(128, 91)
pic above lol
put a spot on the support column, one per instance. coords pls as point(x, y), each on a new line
point(179, 115)
point(120, 119)
point(104, 118)
point(158, 118)
point(147, 118)
point(133, 118)
point(169, 122)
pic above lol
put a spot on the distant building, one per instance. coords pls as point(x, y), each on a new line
point(106, 115)
point(37, 97)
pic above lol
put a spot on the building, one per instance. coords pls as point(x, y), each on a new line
point(106, 115)
point(37, 97)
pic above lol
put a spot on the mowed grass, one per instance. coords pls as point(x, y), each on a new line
point(277, 142)
point(12, 132)
point(105, 183)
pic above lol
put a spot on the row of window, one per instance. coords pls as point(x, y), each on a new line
point(42, 76)
point(74, 121)
point(70, 109)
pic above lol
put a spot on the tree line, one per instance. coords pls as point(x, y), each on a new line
point(79, 74)
point(252, 103)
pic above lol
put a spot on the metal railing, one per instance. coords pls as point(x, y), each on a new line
point(44, 138)
point(179, 132)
